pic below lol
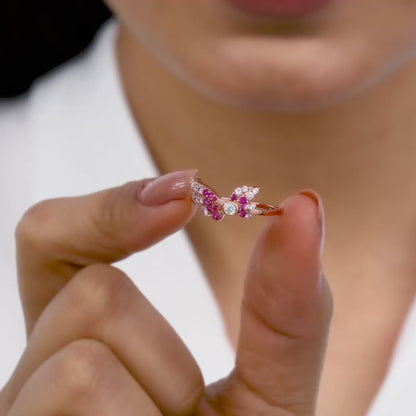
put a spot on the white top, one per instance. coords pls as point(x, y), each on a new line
point(73, 134)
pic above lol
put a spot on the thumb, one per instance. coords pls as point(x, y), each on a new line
point(286, 311)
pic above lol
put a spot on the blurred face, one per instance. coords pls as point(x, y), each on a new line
point(280, 63)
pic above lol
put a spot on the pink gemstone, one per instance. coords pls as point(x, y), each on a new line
point(207, 201)
point(217, 216)
point(212, 197)
point(243, 200)
point(205, 192)
point(212, 208)
point(242, 213)
point(233, 197)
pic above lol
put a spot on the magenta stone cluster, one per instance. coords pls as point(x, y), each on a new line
point(217, 208)
point(214, 209)
point(211, 204)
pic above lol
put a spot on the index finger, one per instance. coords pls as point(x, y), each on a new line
point(57, 237)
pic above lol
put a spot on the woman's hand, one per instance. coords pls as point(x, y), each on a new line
point(97, 346)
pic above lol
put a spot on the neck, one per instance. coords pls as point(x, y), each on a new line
point(360, 155)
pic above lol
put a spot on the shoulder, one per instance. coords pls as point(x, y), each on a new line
point(13, 113)
point(81, 77)
point(74, 123)
point(67, 114)
point(58, 96)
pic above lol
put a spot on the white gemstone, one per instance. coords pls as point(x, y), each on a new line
point(205, 211)
point(249, 207)
point(200, 190)
point(248, 216)
point(256, 190)
point(244, 188)
point(230, 208)
point(238, 191)
point(250, 195)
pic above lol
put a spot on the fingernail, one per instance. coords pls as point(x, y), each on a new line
point(174, 185)
point(320, 211)
point(312, 194)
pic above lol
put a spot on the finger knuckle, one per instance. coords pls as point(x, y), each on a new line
point(186, 400)
point(113, 214)
point(100, 293)
point(33, 227)
point(278, 309)
point(107, 213)
point(82, 370)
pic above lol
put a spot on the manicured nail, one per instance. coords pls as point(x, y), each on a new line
point(320, 210)
point(174, 185)
point(312, 194)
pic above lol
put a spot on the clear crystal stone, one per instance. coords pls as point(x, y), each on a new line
point(256, 190)
point(248, 216)
point(249, 207)
point(230, 208)
point(205, 211)
point(249, 195)
point(238, 191)
point(244, 188)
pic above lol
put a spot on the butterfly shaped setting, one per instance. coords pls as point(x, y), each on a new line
point(212, 205)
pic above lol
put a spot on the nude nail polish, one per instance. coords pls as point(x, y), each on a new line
point(312, 194)
point(317, 199)
point(174, 185)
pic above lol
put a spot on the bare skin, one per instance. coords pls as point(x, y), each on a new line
point(97, 346)
point(323, 102)
point(368, 195)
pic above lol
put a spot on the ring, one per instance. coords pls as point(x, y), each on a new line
point(239, 203)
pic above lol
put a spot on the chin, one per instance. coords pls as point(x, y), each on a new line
point(305, 78)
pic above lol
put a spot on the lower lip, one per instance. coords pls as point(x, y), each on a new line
point(280, 8)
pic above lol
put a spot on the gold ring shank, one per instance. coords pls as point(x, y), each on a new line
point(266, 209)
